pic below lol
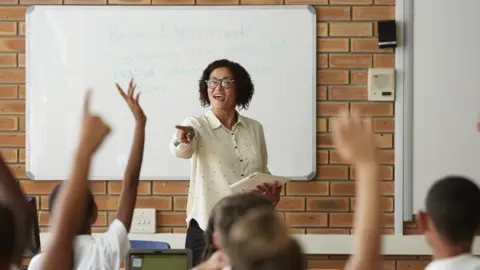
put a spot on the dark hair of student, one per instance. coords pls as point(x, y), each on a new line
point(261, 241)
point(90, 208)
point(243, 83)
point(453, 203)
point(7, 235)
point(227, 211)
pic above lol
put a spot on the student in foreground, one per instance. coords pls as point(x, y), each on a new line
point(108, 250)
point(451, 219)
point(226, 212)
point(252, 237)
point(15, 221)
point(261, 241)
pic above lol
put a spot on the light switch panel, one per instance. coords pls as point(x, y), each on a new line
point(381, 84)
point(144, 220)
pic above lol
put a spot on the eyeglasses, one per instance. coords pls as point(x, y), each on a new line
point(226, 83)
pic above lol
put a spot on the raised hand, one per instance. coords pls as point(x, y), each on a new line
point(94, 129)
point(185, 134)
point(132, 101)
point(354, 138)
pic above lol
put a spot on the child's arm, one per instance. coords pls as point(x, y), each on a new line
point(13, 198)
point(128, 195)
point(355, 141)
point(65, 222)
point(367, 219)
point(131, 178)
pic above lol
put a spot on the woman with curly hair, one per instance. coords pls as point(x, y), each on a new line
point(224, 146)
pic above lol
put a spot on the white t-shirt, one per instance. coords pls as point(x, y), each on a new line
point(462, 262)
point(104, 252)
point(219, 158)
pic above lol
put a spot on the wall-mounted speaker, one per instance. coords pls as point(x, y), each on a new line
point(381, 84)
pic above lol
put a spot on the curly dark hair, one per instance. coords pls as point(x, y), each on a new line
point(244, 85)
point(452, 203)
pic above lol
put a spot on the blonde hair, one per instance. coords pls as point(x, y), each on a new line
point(260, 241)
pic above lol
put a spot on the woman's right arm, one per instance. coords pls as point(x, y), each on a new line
point(184, 144)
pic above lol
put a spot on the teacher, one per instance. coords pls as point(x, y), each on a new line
point(224, 146)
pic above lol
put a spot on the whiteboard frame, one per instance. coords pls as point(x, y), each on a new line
point(310, 8)
point(404, 116)
point(29, 175)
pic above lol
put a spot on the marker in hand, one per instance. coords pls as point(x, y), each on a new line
point(185, 134)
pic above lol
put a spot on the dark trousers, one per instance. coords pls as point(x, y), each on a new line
point(195, 241)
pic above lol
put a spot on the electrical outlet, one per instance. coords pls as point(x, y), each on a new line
point(144, 220)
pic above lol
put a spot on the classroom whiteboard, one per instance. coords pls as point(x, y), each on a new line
point(165, 48)
point(446, 93)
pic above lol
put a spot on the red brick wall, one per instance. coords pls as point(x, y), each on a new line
point(347, 46)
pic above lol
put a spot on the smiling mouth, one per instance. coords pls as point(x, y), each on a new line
point(219, 97)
